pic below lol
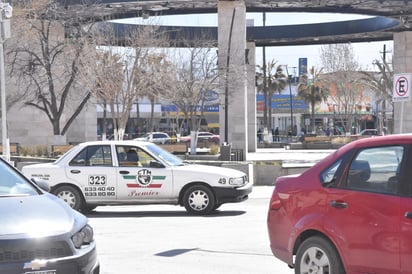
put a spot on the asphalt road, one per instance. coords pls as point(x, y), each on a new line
point(164, 239)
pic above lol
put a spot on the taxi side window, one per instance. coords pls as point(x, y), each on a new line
point(93, 156)
point(376, 170)
point(145, 159)
point(127, 156)
point(133, 156)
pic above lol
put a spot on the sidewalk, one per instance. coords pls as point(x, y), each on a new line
point(261, 192)
point(268, 154)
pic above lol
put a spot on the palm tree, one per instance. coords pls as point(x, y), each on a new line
point(381, 84)
point(276, 81)
point(312, 90)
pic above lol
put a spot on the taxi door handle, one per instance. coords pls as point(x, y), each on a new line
point(75, 171)
point(124, 172)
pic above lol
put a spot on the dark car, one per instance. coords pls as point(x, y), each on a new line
point(369, 132)
point(349, 213)
point(39, 233)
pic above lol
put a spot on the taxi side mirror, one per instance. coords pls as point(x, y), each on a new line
point(156, 164)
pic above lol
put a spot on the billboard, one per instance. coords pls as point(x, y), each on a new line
point(303, 66)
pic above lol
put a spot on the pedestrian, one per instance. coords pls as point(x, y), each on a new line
point(276, 135)
point(260, 135)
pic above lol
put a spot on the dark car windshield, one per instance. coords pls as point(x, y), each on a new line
point(12, 183)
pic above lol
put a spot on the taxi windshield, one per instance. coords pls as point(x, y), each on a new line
point(13, 184)
point(164, 155)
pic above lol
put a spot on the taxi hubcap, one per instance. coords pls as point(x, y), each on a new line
point(198, 200)
point(314, 261)
point(68, 197)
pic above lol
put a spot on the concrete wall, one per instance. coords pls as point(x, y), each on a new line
point(261, 173)
point(232, 69)
point(401, 65)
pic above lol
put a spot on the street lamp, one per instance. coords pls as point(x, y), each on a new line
point(6, 10)
point(290, 98)
point(334, 117)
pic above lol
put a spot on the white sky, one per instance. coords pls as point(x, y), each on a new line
point(366, 53)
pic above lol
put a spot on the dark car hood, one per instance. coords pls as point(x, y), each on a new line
point(37, 216)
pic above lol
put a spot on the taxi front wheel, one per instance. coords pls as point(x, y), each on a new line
point(70, 195)
point(199, 200)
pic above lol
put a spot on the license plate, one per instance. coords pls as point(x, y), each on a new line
point(41, 272)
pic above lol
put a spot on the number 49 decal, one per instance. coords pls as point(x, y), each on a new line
point(97, 180)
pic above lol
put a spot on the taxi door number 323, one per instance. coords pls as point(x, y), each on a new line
point(97, 180)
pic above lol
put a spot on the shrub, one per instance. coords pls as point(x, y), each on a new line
point(214, 149)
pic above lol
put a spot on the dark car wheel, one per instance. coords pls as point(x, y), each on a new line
point(70, 195)
point(88, 208)
point(216, 206)
point(317, 255)
point(199, 200)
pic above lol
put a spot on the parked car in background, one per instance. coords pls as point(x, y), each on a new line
point(349, 213)
point(130, 172)
point(202, 136)
point(155, 137)
point(39, 233)
point(369, 132)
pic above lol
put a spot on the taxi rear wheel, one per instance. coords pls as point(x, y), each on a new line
point(70, 195)
point(199, 200)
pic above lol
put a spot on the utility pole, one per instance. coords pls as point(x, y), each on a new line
point(266, 100)
point(382, 123)
point(6, 10)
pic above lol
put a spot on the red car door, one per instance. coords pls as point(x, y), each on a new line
point(363, 213)
point(406, 234)
point(367, 230)
point(405, 214)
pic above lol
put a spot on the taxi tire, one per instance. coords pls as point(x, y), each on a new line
point(315, 253)
point(69, 195)
point(199, 200)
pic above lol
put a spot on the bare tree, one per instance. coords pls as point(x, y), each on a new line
point(45, 64)
point(338, 57)
point(158, 79)
point(346, 90)
point(104, 79)
point(195, 76)
point(131, 68)
point(381, 83)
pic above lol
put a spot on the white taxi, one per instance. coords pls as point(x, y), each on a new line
point(99, 173)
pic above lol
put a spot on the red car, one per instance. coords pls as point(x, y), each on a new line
point(349, 213)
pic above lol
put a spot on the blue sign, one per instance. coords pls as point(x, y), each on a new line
point(281, 101)
point(303, 66)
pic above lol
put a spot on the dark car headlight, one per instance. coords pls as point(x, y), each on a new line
point(83, 237)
